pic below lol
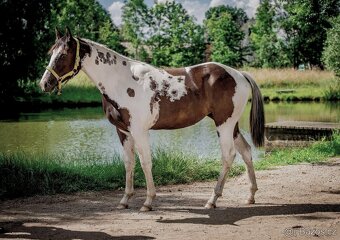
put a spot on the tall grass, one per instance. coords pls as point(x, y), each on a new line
point(268, 78)
point(25, 174)
point(333, 90)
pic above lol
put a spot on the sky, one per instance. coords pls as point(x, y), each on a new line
point(197, 8)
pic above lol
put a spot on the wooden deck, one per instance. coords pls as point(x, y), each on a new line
point(299, 130)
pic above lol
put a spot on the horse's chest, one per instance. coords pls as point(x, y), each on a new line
point(120, 117)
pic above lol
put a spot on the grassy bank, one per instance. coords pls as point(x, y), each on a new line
point(77, 90)
point(292, 85)
point(25, 174)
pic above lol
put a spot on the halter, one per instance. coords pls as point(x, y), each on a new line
point(70, 74)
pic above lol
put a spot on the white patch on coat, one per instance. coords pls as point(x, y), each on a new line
point(149, 75)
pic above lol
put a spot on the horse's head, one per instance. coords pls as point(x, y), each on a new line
point(64, 62)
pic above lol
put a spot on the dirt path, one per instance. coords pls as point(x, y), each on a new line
point(303, 199)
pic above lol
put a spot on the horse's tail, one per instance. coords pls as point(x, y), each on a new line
point(256, 112)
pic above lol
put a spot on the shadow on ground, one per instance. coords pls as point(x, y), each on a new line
point(230, 215)
point(15, 230)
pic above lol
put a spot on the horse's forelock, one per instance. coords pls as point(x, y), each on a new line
point(61, 42)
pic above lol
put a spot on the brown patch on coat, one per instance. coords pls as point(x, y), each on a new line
point(120, 117)
point(130, 92)
point(165, 87)
point(153, 84)
point(122, 136)
point(154, 99)
point(105, 58)
point(236, 131)
point(174, 93)
point(101, 87)
point(210, 92)
point(124, 63)
point(135, 78)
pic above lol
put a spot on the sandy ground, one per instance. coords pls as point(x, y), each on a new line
point(293, 202)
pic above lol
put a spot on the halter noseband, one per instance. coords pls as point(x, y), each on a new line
point(71, 73)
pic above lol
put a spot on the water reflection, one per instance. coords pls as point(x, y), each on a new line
point(79, 132)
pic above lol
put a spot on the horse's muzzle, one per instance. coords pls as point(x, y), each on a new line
point(48, 82)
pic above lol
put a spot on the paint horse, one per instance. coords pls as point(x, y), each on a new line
point(137, 97)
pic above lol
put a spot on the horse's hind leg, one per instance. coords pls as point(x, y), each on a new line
point(129, 162)
point(245, 150)
point(225, 132)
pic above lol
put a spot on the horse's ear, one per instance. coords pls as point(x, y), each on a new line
point(57, 34)
point(68, 33)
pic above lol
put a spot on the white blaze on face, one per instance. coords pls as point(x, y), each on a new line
point(55, 54)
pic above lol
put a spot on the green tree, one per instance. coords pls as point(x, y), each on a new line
point(331, 54)
point(175, 38)
point(110, 36)
point(135, 19)
point(305, 23)
point(21, 32)
point(87, 19)
point(238, 15)
point(269, 49)
point(223, 26)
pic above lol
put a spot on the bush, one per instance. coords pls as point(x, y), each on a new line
point(331, 54)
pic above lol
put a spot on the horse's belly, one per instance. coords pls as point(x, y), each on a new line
point(179, 114)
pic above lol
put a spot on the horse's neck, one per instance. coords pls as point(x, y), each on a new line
point(106, 68)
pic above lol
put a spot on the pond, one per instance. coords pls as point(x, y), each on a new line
point(86, 132)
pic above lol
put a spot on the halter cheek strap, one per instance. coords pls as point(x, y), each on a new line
point(71, 73)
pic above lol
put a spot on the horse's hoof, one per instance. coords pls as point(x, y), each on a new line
point(210, 206)
point(145, 208)
point(122, 206)
point(250, 201)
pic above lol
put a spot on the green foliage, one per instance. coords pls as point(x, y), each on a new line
point(110, 36)
point(305, 24)
point(175, 39)
point(331, 54)
point(135, 19)
point(223, 26)
point(269, 49)
point(22, 31)
point(87, 19)
point(166, 30)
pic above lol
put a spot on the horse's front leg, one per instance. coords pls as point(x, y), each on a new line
point(142, 144)
point(129, 162)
